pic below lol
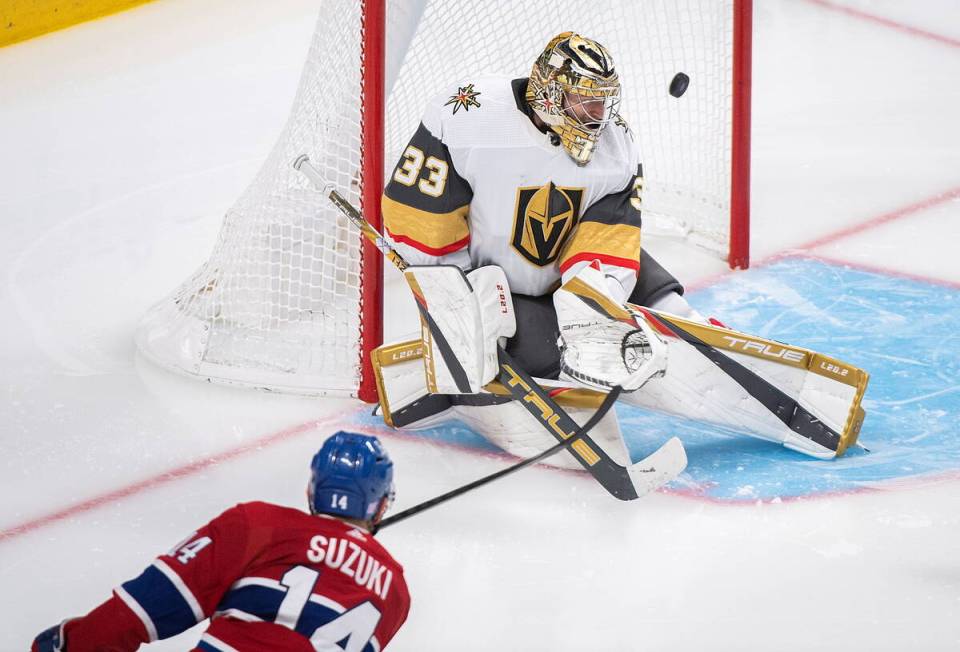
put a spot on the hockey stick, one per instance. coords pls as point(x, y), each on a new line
point(623, 482)
point(608, 402)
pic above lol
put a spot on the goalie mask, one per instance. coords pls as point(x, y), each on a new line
point(574, 88)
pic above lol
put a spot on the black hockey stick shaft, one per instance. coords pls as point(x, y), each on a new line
point(608, 402)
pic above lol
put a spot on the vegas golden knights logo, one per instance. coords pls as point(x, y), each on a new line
point(543, 218)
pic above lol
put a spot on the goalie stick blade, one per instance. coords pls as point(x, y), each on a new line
point(658, 468)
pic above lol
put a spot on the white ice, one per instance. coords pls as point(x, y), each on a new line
point(123, 141)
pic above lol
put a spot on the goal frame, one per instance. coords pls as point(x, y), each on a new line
point(372, 132)
point(372, 161)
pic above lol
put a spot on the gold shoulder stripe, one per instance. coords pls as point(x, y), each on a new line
point(436, 232)
point(608, 241)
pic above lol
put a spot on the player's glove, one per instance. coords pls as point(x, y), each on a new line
point(603, 342)
point(51, 640)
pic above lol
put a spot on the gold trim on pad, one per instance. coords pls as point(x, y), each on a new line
point(764, 349)
point(793, 356)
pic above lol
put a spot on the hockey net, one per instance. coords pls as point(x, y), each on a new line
point(286, 301)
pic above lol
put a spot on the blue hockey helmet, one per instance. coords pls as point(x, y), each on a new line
point(351, 476)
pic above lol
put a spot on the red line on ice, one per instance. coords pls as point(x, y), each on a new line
point(187, 470)
point(886, 22)
point(165, 477)
point(806, 248)
point(885, 218)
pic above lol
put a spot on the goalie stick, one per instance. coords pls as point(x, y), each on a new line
point(623, 482)
point(608, 402)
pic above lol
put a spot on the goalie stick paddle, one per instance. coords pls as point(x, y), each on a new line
point(623, 482)
point(608, 402)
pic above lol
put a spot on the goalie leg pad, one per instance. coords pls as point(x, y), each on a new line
point(406, 402)
point(462, 319)
point(804, 400)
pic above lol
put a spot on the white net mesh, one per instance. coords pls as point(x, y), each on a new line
point(278, 304)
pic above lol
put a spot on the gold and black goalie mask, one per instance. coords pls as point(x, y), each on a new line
point(575, 89)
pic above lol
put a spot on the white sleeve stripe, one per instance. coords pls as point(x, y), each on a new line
point(258, 581)
point(217, 643)
point(140, 612)
point(239, 615)
point(181, 587)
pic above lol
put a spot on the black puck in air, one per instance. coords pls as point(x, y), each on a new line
point(678, 86)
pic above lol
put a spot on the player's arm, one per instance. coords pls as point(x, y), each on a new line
point(426, 201)
point(602, 345)
point(609, 233)
point(174, 593)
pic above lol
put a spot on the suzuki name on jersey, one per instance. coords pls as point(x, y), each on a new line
point(353, 561)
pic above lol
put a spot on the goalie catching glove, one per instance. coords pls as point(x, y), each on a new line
point(469, 315)
point(603, 344)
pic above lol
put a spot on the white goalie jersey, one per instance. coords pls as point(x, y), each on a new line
point(479, 184)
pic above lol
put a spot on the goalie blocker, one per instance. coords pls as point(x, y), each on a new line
point(800, 398)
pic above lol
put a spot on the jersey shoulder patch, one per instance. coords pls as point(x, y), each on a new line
point(465, 97)
point(475, 112)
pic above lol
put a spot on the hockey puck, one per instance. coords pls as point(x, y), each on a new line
point(679, 83)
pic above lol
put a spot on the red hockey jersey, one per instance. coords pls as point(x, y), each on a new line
point(269, 578)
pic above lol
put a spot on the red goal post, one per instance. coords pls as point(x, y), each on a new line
point(291, 297)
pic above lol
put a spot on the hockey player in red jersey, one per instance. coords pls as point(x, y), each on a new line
point(269, 577)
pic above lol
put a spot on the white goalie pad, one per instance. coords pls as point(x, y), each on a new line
point(405, 402)
point(469, 313)
point(806, 401)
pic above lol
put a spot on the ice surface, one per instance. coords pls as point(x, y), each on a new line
point(122, 142)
